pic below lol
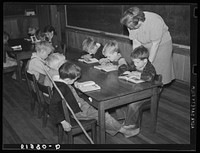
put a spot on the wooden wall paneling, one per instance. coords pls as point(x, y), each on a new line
point(187, 68)
point(178, 61)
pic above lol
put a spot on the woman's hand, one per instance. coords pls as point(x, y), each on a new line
point(66, 125)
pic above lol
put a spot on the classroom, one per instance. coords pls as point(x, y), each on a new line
point(99, 74)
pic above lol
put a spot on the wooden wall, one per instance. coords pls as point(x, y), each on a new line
point(181, 57)
point(17, 26)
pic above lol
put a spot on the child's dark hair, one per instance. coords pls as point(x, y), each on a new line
point(140, 52)
point(69, 70)
point(49, 28)
point(6, 35)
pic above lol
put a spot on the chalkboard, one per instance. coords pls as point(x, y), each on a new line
point(17, 8)
point(98, 17)
point(107, 18)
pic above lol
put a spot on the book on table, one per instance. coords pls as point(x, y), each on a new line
point(89, 61)
point(107, 68)
point(131, 78)
point(88, 86)
point(19, 47)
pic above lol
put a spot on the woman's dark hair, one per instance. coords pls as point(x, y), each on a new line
point(134, 13)
point(49, 28)
point(69, 70)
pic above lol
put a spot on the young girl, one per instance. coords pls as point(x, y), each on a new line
point(91, 49)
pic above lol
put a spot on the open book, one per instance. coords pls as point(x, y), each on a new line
point(19, 47)
point(88, 86)
point(107, 68)
point(131, 78)
point(92, 60)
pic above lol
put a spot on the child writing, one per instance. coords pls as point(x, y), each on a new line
point(141, 67)
point(91, 49)
point(68, 74)
point(8, 58)
point(37, 62)
point(112, 53)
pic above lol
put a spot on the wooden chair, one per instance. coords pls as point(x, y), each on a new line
point(147, 105)
point(10, 69)
point(31, 81)
point(87, 124)
point(45, 95)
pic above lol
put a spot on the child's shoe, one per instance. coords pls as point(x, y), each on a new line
point(130, 132)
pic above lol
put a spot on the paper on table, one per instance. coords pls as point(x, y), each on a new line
point(92, 60)
point(107, 68)
point(88, 86)
point(131, 79)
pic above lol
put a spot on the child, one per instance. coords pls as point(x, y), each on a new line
point(91, 49)
point(8, 58)
point(112, 53)
point(37, 62)
point(40, 36)
point(54, 61)
point(68, 74)
point(140, 67)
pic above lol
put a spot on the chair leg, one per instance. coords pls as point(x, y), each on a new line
point(60, 134)
point(39, 111)
point(93, 133)
point(44, 119)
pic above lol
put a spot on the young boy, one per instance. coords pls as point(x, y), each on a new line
point(68, 74)
point(54, 61)
point(140, 67)
point(8, 58)
point(91, 49)
point(37, 62)
point(112, 53)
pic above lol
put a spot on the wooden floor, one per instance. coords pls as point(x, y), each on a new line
point(20, 125)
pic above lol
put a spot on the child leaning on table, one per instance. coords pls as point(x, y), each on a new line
point(37, 62)
point(112, 53)
point(140, 66)
point(68, 74)
point(91, 49)
point(8, 58)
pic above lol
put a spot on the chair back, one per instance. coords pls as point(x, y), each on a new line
point(66, 111)
point(45, 90)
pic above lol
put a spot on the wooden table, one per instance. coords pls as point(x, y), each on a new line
point(25, 53)
point(115, 92)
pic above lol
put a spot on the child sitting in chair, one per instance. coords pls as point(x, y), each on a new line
point(91, 49)
point(68, 74)
point(37, 62)
point(141, 67)
point(112, 53)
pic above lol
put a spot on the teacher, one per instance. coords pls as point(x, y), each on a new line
point(149, 29)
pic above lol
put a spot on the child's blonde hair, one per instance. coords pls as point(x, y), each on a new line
point(44, 46)
point(88, 44)
point(111, 48)
point(55, 60)
point(140, 53)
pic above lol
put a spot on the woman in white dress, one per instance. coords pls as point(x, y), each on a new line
point(149, 29)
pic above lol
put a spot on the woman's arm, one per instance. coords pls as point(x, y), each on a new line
point(136, 44)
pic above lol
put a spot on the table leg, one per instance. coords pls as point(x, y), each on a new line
point(154, 108)
point(101, 114)
point(18, 71)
